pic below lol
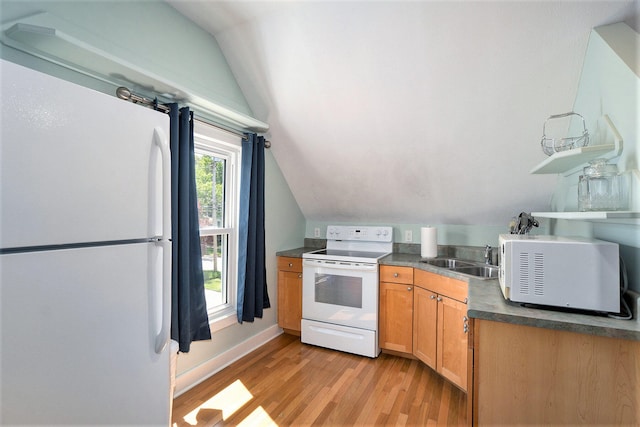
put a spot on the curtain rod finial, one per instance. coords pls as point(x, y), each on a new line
point(123, 93)
point(267, 143)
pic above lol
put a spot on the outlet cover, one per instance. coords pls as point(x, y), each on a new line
point(316, 232)
point(408, 236)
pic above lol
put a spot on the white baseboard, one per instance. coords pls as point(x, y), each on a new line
point(200, 373)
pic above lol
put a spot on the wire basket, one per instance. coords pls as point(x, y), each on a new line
point(555, 145)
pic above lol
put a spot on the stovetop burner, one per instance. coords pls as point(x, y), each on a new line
point(347, 255)
point(356, 244)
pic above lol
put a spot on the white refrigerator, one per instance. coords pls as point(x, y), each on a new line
point(84, 256)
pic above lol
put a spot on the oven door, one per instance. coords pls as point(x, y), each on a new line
point(341, 293)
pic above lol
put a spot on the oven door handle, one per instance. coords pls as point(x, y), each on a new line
point(340, 265)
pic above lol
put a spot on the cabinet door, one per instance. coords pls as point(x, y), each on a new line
point(289, 300)
point(570, 378)
point(425, 314)
point(452, 341)
point(396, 314)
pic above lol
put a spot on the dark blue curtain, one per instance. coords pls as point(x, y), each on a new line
point(189, 318)
point(252, 274)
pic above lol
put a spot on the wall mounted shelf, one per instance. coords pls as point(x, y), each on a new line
point(613, 217)
point(37, 35)
point(567, 161)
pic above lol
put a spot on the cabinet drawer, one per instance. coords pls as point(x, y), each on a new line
point(453, 288)
point(394, 274)
point(290, 264)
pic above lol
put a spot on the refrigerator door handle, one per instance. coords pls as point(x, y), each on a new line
point(162, 338)
point(160, 140)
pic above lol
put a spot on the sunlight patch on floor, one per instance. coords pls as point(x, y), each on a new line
point(227, 401)
point(258, 418)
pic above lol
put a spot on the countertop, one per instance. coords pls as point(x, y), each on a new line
point(296, 253)
point(486, 302)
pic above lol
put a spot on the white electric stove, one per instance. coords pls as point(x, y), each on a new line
point(340, 289)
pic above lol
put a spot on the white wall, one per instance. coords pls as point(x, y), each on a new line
point(448, 234)
point(412, 111)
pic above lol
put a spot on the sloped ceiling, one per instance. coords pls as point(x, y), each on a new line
point(408, 112)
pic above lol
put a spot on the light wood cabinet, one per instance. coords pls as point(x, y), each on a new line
point(537, 376)
point(453, 346)
point(396, 308)
point(440, 325)
point(425, 315)
point(425, 332)
point(290, 294)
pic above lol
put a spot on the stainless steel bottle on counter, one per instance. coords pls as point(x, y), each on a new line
point(601, 188)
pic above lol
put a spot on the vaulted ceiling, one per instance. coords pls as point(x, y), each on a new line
point(408, 111)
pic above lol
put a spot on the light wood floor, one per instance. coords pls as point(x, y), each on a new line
point(287, 383)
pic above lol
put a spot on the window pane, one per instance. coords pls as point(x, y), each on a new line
point(214, 267)
point(217, 154)
point(210, 185)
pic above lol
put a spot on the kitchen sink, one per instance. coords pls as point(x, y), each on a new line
point(447, 262)
point(482, 271)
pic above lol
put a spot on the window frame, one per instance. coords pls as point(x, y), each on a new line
point(209, 140)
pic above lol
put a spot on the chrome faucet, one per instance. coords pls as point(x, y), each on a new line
point(487, 255)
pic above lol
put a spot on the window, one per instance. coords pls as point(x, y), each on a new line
point(217, 155)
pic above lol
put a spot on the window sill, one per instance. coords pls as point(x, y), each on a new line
point(222, 319)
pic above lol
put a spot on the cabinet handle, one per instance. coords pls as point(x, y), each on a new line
point(290, 264)
point(395, 274)
point(408, 288)
point(439, 299)
point(432, 296)
point(300, 276)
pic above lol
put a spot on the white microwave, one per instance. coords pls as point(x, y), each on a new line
point(576, 273)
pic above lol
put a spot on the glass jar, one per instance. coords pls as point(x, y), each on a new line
point(600, 188)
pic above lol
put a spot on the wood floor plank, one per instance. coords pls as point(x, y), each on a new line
point(287, 383)
point(443, 414)
point(376, 393)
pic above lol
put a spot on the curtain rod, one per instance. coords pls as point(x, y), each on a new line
point(124, 93)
